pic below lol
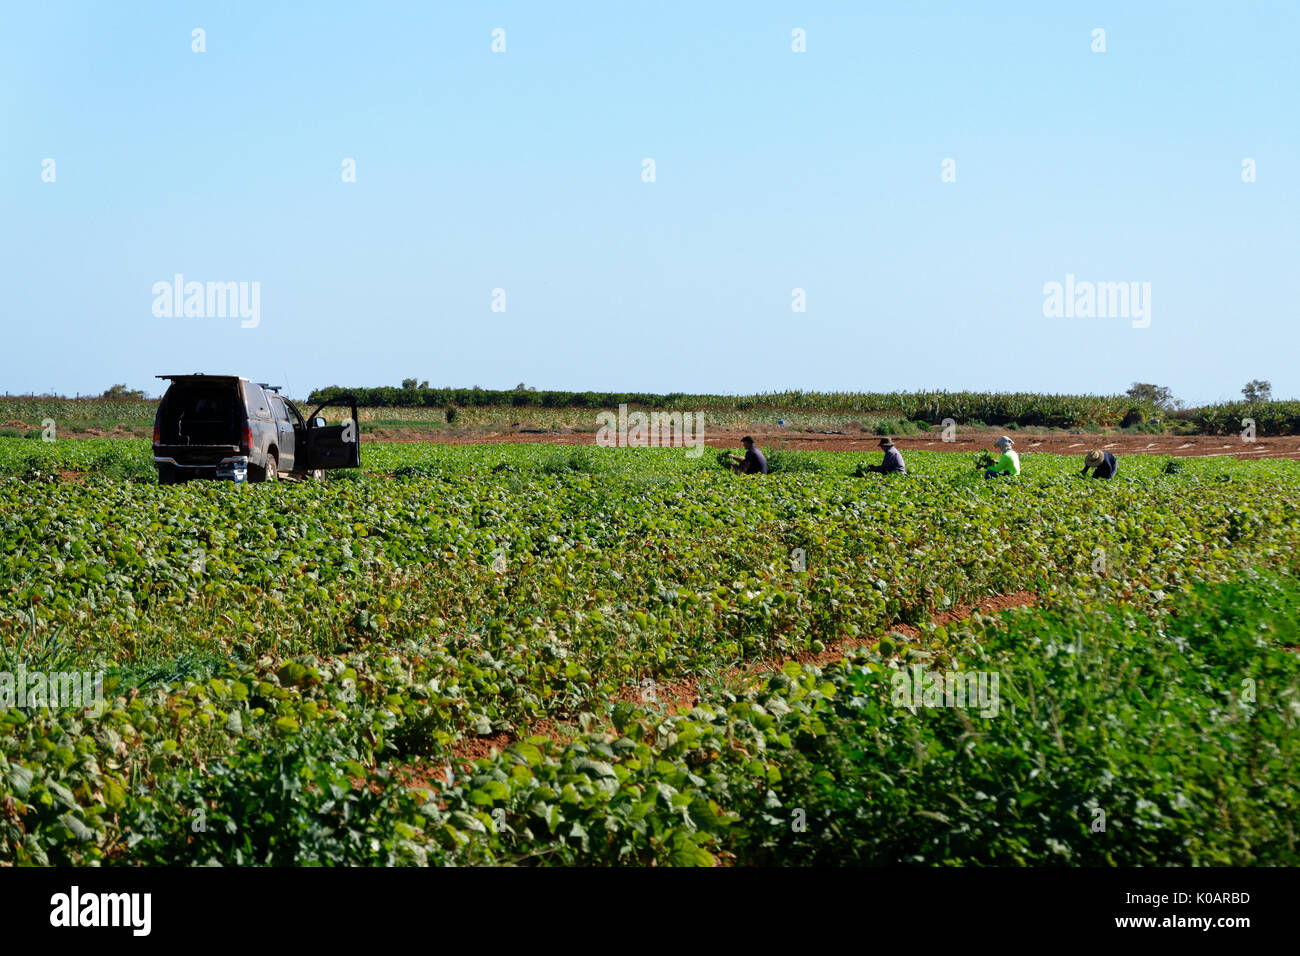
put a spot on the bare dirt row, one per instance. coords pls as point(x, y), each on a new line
point(672, 695)
point(1180, 446)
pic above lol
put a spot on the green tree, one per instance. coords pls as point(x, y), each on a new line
point(1258, 390)
point(1156, 395)
point(121, 392)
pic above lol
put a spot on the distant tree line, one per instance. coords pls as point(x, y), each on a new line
point(1142, 403)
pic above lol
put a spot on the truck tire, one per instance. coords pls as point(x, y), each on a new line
point(268, 472)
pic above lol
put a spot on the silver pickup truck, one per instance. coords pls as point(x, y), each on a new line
point(224, 426)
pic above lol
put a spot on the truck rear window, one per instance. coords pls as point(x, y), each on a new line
point(201, 415)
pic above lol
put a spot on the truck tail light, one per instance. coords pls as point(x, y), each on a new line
point(157, 432)
point(246, 445)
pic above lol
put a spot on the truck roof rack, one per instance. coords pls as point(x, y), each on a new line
point(200, 375)
point(269, 387)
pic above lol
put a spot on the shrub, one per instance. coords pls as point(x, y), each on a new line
point(899, 426)
point(36, 468)
point(583, 460)
point(416, 471)
point(292, 804)
point(794, 461)
point(119, 463)
point(1152, 427)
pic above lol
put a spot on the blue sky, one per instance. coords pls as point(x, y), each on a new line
point(775, 170)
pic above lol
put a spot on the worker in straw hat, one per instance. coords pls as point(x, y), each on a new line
point(893, 462)
point(1102, 463)
point(1008, 464)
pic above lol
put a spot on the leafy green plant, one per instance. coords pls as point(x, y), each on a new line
point(786, 460)
point(44, 652)
point(899, 426)
point(34, 468)
point(292, 803)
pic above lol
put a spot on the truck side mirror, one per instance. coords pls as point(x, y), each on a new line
point(318, 422)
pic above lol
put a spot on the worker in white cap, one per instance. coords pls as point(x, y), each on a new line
point(1008, 464)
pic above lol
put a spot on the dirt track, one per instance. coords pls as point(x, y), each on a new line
point(685, 693)
point(1182, 446)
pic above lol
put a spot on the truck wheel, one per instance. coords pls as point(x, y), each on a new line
point(167, 475)
point(269, 472)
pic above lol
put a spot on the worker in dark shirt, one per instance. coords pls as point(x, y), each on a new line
point(1102, 463)
point(753, 463)
point(893, 462)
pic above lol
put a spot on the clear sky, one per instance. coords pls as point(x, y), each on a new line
point(774, 170)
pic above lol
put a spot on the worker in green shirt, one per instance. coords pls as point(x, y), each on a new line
point(1008, 464)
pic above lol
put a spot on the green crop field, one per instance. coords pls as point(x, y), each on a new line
point(548, 655)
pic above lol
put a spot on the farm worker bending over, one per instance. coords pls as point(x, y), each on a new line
point(1008, 464)
point(893, 463)
point(1102, 463)
point(753, 463)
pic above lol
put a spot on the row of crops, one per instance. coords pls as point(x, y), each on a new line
point(994, 409)
point(295, 671)
point(33, 410)
point(1270, 418)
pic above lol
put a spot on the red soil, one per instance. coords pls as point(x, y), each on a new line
point(685, 693)
point(774, 437)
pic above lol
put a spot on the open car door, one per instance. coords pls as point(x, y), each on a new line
point(334, 446)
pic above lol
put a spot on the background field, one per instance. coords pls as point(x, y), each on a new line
point(420, 412)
